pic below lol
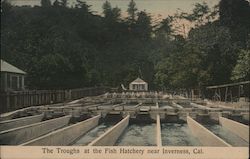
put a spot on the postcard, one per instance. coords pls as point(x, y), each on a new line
point(129, 79)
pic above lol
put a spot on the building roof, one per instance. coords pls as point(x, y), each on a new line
point(6, 67)
point(138, 81)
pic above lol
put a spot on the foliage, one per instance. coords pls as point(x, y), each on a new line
point(242, 70)
point(45, 3)
point(132, 11)
point(62, 47)
point(111, 14)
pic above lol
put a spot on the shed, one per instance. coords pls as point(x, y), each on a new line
point(138, 85)
point(12, 78)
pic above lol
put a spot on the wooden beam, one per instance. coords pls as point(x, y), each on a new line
point(228, 85)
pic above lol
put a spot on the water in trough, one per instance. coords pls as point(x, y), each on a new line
point(177, 135)
point(93, 134)
point(138, 135)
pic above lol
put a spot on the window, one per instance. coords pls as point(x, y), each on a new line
point(143, 87)
point(133, 86)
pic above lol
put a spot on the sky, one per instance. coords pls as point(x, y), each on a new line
point(154, 7)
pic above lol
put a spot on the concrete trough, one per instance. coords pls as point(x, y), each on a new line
point(14, 123)
point(110, 137)
point(167, 107)
point(214, 116)
point(158, 130)
point(245, 117)
point(13, 114)
point(105, 107)
point(113, 116)
point(145, 109)
point(133, 108)
point(206, 137)
point(235, 117)
point(183, 101)
point(237, 128)
point(25, 133)
point(61, 107)
point(143, 117)
point(117, 105)
point(65, 136)
point(177, 105)
point(203, 118)
point(10, 115)
point(172, 117)
point(200, 106)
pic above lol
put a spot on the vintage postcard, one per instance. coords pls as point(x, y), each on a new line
point(125, 79)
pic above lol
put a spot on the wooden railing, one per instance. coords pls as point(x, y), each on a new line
point(20, 99)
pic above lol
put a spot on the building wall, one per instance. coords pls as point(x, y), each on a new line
point(137, 87)
point(12, 81)
point(2, 81)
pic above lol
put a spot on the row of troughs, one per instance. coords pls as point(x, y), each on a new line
point(121, 130)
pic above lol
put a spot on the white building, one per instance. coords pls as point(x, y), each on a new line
point(12, 78)
point(138, 85)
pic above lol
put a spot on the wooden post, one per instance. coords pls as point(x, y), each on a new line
point(5, 82)
point(231, 95)
point(226, 94)
point(219, 94)
point(15, 102)
point(239, 93)
point(35, 98)
point(39, 97)
point(7, 101)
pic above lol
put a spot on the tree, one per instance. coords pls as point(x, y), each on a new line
point(116, 12)
point(56, 3)
point(64, 3)
point(180, 69)
point(242, 70)
point(106, 8)
point(200, 15)
point(62, 47)
point(5, 6)
point(5, 12)
point(132, 11)
point(143, 27)
point(165, 26)
point(45, 3)
point(234, 12)
point(111, 14)
point(82, 5)
point(235, 15)
point(218, 54)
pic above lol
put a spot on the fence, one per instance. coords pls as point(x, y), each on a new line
point(20, 99)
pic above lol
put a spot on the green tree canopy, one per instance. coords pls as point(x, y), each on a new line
point(241, 70)
point(132, 9)
point(71, 47)
point(45, 3)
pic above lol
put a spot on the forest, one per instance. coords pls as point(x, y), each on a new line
point(63, 47)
